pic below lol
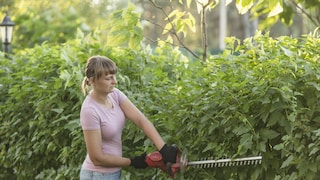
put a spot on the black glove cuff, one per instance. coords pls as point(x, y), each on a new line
point(139, 161)
point(163, 149)
point(169, 153)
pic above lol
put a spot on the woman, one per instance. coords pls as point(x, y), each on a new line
point(102, 118)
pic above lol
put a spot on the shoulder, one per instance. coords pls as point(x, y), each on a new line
point(88, 102)
point(117, 91)
point(88, 106)
point(118, 95)
point(89, 115)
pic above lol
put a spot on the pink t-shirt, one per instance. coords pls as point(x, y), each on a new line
point(111, 121)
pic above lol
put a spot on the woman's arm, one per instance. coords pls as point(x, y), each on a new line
point(134, 114)
point(94, 149)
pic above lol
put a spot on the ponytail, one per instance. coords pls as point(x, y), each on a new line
point(84, 85)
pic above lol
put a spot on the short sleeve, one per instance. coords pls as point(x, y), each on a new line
point(118, 96)
point(89, 119)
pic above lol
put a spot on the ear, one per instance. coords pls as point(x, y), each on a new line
point(91, 80)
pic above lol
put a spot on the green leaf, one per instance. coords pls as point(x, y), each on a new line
point(274, 117)
point(167, 28)
point(314, 151)
point(278, 146)
point(287, 52)
point(118, 38)
point(275, 7)
point(244, 5)
point(268, 133)
point(287, 162)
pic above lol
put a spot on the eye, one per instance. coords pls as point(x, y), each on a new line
point(110, 78)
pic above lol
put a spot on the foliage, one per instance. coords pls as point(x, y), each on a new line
point(272, 11)
point(54, 22)
point(44, 21)
point(40, 111)
point(259, 97)
point(124, 26)
point(261, 101)
point(57, 21)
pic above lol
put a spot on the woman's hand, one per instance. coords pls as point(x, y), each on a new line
point(139, 161)
point(169, 153)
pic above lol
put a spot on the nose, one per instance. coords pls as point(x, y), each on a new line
point(114, 80)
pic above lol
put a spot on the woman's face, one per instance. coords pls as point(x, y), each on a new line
point(105, 84)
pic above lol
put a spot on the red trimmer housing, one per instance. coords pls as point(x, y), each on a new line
point(154, 160)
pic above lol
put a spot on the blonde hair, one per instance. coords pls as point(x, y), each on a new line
point(96, 67)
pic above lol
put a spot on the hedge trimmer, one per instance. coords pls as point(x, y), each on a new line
point(154, 160)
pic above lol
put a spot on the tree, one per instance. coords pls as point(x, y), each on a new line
point(181, 20)
point(47, 21)
point(55, 22)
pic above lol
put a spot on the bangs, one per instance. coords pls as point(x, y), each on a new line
point(104, 67)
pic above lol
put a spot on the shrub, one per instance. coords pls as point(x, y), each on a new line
point(258, 98)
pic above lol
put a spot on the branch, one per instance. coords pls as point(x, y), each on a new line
point(204, 30)
point(204, 34)
point(156, 41)
point(306, 13)
point(173, 30)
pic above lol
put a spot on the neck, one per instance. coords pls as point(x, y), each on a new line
point(102, 99)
